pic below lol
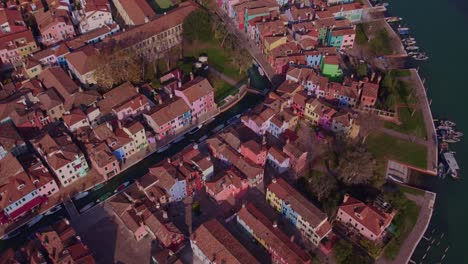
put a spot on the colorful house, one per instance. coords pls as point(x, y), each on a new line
point(331, 66)
point(136, 131)
point(93, 14)
point(258, 123)
point(169, 179)
point(199, 95)
point(278, 160)
point(169, 119)
point(121, 144)
point(103, 160)
point(65, 158)
point(365, 219)
point(342, 38)
point(352, 11)
point(54, 26)
point(15, 47)
point(254, 151)
point(370, 93)
point(281, 248)
point(11, 141)
point(229, 186)
point(311, 221)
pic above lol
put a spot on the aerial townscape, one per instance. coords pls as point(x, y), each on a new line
point(227, 131)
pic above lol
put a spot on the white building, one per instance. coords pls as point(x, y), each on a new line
point(93, 14)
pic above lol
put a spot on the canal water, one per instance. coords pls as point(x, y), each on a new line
point(440, 28)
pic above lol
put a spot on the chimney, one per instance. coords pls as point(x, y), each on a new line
point(275, 224)
point(179, 83)
point(379, 78)
point(346, 197)
point(160, 99)
point(191, 76)
point(292, 239)
point(146, 19)
point(264, 140)
point(168, 160)
point(372, 76)
point(273, 180)
point(164, 214)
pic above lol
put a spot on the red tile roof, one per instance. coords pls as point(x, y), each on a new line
point(213, 239)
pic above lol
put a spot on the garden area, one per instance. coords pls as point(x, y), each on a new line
point(161, 6)
point(374, 39)
point(412, 122)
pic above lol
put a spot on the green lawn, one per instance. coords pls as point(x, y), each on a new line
point(411, 125)
point(161, 6)
point(378, 43)
point(411, 190)
point(218, 58)
point(385, 147)
point(222, 88)
point(404, 222)
point(164, 3)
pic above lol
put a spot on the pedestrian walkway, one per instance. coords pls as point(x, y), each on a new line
point(426, 203)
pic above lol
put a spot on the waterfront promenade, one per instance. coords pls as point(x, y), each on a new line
point(426, 204)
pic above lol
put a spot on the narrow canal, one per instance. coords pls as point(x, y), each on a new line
point(440, 28)
point(141, 168)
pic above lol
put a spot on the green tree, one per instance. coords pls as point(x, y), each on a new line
point(356, 165)
point(343, 251)
point(320, 184)
point(362, 70)
point(197, 26)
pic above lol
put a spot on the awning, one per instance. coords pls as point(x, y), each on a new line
point(27, 207)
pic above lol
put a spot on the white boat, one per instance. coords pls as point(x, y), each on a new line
point(409, 43)
point(179, 139)
point(412, 48)
point(403, 30)
point(162, 149)
point(452, 163)
point(35, 220)
point(80, 195)
point(421, 57)
point(11, 234)
point(195, 130)
point(53, 210)
point(409, 39)
point(122, 186)
point(86, 207)
point(260, 71)
point(393, 19)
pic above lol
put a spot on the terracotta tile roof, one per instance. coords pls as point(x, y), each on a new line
point(101, 154)
point(370, 90)
point(219, 245)
point(344, 7)
point(16, 187)
point(84, 60)
point(9, 166)
point(298, 203)
point(331, 59)
point(75, 116)
point(343, 117)
point(343, 31)
point(166, 175)
point(131, 220)
point(231, 177)
point(274, 238)
point(9, 136)
point(374, 220)
point(253, 145)
point(277, 154)
point(294, 150)
point(13, 18)
point(134, 127)
point(16, 40)
point(167, 233)
point(48, 19)
point(169, 111)
point(137, 10)
point(134, 35)
point(49, 99)
point(196, 89)
point(117, 96)
point(120, 204)
point(57, 78)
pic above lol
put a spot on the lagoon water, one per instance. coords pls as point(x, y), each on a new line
point(441, 29)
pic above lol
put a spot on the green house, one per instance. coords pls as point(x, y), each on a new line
point(330, 66)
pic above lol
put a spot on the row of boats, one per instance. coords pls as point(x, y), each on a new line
point(410, 43)
point(447, 134)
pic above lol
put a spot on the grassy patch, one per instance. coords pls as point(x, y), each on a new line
point(161, 6)
point(411, 190)
point(377, 42)
point(222, 88)
point(410, 124)
point(380, 44)
point(385, 147)
point(218, 58)
point(404, 222)
point(361, 37)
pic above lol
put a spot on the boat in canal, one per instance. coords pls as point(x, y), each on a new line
point(403, 30)
point(122, 186)
point(393, 19)
point(195, 130)
point(453, 168)
point(54, 210)
point(35, 220)
point(412, 48)
point(104, 197)
point(442, 170)
point(80, 195)
point(162, 149)
point(421, 57)
point(11, 234)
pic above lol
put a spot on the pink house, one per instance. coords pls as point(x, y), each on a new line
point(199, 95)
point(124, 101)
point(367, 220)
point(254, 152)
point(45, 183)
point(55, 26)
point(230, 185)
point(258, 123)
point(297, 157)
point(103, 160)
point(170, 118)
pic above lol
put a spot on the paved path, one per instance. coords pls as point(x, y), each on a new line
point(223, 76)
point(249, 45)
point(426, 202)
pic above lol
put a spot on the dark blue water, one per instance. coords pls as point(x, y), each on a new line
point(440, 28)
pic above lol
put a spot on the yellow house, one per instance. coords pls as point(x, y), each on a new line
point(32, 68)
point(274, 201)
point(310, 110)
point(273, 42)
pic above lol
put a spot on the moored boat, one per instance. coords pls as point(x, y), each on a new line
point(412, 48)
